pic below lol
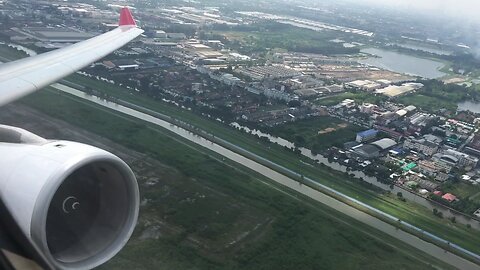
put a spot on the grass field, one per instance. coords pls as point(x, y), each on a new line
point(264, 36)
point(410, 212)
point(464, 191)
point(428, 103)
point(301, 235)
point(317, 133)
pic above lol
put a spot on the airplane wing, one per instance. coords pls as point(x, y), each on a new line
point(27, 75)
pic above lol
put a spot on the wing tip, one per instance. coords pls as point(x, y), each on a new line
point(126, 18)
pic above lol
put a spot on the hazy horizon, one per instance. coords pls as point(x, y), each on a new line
point(466, 10)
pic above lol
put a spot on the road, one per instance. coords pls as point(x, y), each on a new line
point(315, 194)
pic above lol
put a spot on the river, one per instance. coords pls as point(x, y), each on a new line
point(282, 179)
point(469, 106)
point(403, 63)
point(360, 175)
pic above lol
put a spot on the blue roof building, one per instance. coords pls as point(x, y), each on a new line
point(366, 135)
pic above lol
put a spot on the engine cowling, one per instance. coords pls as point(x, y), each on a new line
point(77, 204)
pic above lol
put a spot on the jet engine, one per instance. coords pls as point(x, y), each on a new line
point(77, 204)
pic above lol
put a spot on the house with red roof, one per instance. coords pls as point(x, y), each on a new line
point(449, 197)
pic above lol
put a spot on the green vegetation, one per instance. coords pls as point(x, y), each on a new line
point(317, 133)
point(468, 194)
point(427, 103)
point(410, 212)
point(435, 96)
point(462, 189)
point(11, 53)
point(300, 236)
point(359, 97)
point(271, 35)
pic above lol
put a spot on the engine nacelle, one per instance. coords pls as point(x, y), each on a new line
point(76, 203)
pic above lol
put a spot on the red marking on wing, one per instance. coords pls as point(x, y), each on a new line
point(126, 17)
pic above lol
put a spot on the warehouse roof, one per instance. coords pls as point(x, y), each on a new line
point(384, 143)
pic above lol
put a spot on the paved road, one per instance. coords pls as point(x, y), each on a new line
point(410, 239)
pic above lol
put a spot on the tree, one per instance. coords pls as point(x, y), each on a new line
point(437, 213)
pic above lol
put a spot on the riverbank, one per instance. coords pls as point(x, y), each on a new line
point(410, 212)
point(431, 249)
point(325, 233)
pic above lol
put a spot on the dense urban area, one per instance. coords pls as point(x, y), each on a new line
point(384, 113)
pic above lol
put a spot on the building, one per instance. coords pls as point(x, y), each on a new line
point(442, 177)
point(395, 90)
point(428, 167)
point(159, 34)
point(176, 36)
point(463, 160)
point(229, 79)
point(122, 64)
point(257, 73)
point(56, 34)
point(421, 145)
point(366, 151)
point(474, 146)
point(366, 135)
point(423, 183)
point(390, 132)
point(365, 85)
point(384, 144)
point(367, 108)
point(348, 103)
point(278, 94)
point(449, 197)
point(445, 163)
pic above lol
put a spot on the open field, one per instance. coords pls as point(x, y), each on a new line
point(410, 212)
point(175, 177)
point(428, 103)
point(464, 190)
point(263, 36)
point(317, 133)
point(436, 95)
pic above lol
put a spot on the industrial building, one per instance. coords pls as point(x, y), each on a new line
point(366, 135)
point(270, 72)
point(395, 90)
point(384, 144)
point(55, 34)
point(374, 149)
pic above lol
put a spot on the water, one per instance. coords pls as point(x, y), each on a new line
point(425, 49)
point(361, 175)
point(403, 63)
point(282, 179)
point(469, 106)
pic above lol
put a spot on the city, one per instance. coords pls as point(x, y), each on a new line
point(240, 118)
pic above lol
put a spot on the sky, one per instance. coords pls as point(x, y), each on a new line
point(468, 10)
